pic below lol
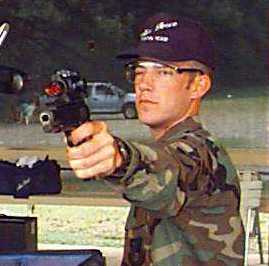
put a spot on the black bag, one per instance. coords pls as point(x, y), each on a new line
point(90, 257)
point(21, 182)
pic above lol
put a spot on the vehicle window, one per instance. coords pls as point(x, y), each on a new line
point(117, 90)
point(120, 91)
point(109, 91)
point(101, 90)
point(114, 89)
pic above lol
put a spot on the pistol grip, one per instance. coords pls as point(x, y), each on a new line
point(68, 138)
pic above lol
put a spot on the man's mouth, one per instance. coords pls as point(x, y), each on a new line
point(147, 101)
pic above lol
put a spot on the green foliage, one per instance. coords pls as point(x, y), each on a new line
point(227, 13)
point(55, 33)
point(46, 10)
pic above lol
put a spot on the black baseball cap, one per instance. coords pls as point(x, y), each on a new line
point(169, 38)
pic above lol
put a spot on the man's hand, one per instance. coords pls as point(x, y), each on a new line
point(97, 155)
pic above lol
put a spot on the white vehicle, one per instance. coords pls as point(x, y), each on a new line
point(104, 97)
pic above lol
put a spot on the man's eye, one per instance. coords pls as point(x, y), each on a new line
point(165, 72)
point(139, 71)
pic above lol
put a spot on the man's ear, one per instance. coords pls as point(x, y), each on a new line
point(200, 86)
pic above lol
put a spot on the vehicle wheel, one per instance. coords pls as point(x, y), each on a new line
point(129, 111)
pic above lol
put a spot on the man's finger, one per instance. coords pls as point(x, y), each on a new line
point(102, 155)
point(99, 170)
point(90, 147)
point(87, 130)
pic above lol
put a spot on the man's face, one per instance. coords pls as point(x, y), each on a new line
point(163, 96)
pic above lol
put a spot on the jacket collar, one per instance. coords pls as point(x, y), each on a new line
point(188, 125)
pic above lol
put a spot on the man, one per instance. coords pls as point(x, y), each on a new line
point(183, 189)
point(27, 110)
point(4, 29)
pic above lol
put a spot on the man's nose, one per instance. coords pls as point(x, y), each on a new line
point(146, 81)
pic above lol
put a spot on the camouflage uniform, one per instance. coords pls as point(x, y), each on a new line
point(184, 196)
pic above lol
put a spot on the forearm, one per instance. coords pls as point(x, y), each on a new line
point(150, 178)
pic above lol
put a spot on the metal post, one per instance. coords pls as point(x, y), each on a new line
point(258, 228)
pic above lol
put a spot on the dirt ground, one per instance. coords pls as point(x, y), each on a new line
point(241, 157)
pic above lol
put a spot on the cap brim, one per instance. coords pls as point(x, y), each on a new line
point(131, 53)
point(148, 50)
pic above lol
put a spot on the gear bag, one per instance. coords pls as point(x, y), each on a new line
point(42, 177)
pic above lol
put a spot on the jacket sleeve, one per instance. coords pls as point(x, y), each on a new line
point(159, 174)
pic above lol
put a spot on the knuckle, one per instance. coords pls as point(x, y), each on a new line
point(85, 163)
point(78, 173)
point(111, 150)
point(111, 163)
point(86, 148)
point(109, 137)
point(103, 125)
point(99, 126)
point(87, 173)
point(106, 166)
point(73, 164)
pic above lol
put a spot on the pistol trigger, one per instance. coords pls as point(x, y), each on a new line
point(69, 140)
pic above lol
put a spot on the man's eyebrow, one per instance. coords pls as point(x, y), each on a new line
point(138, 65)
point(149, 64)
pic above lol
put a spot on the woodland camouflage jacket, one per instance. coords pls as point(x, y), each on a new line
point(184, 196)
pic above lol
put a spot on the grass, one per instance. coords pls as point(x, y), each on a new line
point(242, 120)
point(97, 226)
point(93, 226)
point(252, 91)
point(258, 103)
point(237, 143)
point(76, 225)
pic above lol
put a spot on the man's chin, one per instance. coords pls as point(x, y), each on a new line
point(147, 120)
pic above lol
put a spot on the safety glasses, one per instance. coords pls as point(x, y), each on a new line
point(135, 71)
